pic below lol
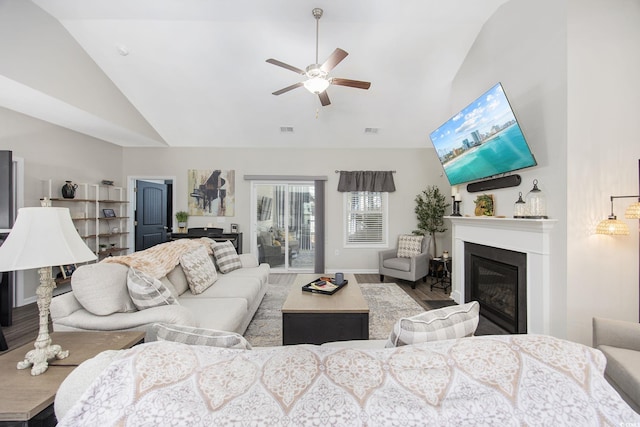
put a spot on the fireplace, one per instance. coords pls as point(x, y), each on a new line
point(527, 236)
point(497, 279)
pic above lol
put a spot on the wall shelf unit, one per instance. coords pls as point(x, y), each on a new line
point(106, 236)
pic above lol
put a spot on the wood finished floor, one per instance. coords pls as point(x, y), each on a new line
point(25, 319)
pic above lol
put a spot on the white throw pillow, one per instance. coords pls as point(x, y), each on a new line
point(102, 288)
point(409, 245)
point(199, 269)
point(199, 336)
point(226, 257)
point(146, 291)
point(456, 321)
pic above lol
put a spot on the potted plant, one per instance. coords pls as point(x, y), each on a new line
point(431, 205)
point(103, 247)
point(181, 217)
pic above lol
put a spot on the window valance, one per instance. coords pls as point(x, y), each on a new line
point(381, 181)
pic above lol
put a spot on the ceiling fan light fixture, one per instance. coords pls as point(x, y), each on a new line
point(316, 84)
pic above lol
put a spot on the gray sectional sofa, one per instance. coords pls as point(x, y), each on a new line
point(100, 300)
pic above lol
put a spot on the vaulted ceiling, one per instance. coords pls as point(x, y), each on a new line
point(193, 72)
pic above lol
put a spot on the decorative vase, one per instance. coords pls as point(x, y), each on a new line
point(69, 190)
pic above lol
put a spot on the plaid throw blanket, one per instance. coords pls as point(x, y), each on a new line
point(159, 260)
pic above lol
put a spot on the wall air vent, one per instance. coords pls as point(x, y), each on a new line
point(286, 129)
point(371, 131)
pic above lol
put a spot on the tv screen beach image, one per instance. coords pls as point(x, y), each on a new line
point(482, 140)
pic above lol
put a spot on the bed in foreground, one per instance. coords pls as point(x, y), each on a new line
point(488, 380)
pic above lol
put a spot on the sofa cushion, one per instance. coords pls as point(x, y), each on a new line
point(409, 245)
point(226, 257)
point(147, 292)
point(178, 279)
point(247, 288)
point(456, 321)
point(225, 314)
point(101, 288)
point(199, 269)
point(200, 336)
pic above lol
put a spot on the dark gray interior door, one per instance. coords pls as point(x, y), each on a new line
point(151, 214)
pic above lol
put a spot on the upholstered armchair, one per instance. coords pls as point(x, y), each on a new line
point(620, 343)
point(270, 250)
point(408, 261)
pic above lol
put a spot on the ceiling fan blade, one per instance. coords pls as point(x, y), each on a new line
point(333, 60)
point(351, 83)
point(288, 88)
point(287, 66)
point(324, 98)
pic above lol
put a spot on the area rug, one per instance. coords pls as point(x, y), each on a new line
point(387, 303)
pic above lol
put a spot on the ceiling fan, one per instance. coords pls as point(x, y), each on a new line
point(317, 75)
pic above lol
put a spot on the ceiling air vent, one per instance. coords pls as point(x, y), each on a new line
point(371, 131)
point(286, 129)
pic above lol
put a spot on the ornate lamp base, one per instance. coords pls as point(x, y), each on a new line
point(44, 350)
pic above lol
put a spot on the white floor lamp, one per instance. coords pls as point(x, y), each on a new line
point(40, 238)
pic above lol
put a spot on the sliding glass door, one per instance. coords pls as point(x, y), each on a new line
point(285, 225)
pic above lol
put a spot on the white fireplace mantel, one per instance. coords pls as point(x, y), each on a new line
point(529, 236)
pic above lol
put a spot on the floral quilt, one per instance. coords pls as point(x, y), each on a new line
point(490, 380)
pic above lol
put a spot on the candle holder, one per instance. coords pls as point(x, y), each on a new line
point(455, 207)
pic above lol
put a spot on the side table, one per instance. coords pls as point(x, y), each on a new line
point(442, 272)
point(27, 400)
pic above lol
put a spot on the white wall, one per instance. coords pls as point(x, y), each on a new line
point(416, 168)
point(52, 152)
point(523, 45)
point(603, 142)
point(570, 71)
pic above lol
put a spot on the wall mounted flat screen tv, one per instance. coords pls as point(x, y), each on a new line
point(482, 140)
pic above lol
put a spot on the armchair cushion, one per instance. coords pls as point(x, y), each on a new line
point(402, 264)
point(409, 245)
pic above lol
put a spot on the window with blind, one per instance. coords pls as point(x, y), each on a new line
point(365, 218)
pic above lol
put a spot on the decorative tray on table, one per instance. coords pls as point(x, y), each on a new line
point(324, 285)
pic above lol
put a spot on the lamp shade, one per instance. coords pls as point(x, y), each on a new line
point(633, 211)
point(43, 237)
point(612, 227)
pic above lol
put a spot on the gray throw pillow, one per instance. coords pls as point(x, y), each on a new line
point(456, 321)
point(199, 336)
point(146, 291)
point(226, 257)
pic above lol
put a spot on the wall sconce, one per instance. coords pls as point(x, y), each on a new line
point(614, 227)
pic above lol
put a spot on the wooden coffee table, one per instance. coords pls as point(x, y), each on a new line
point(28, 400)
point(311, 318)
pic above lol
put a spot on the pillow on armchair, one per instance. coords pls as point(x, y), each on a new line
point(409, 245)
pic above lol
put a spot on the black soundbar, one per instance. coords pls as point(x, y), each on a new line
point(492, 184)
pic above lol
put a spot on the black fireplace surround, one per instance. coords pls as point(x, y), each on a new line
point(497, 279)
